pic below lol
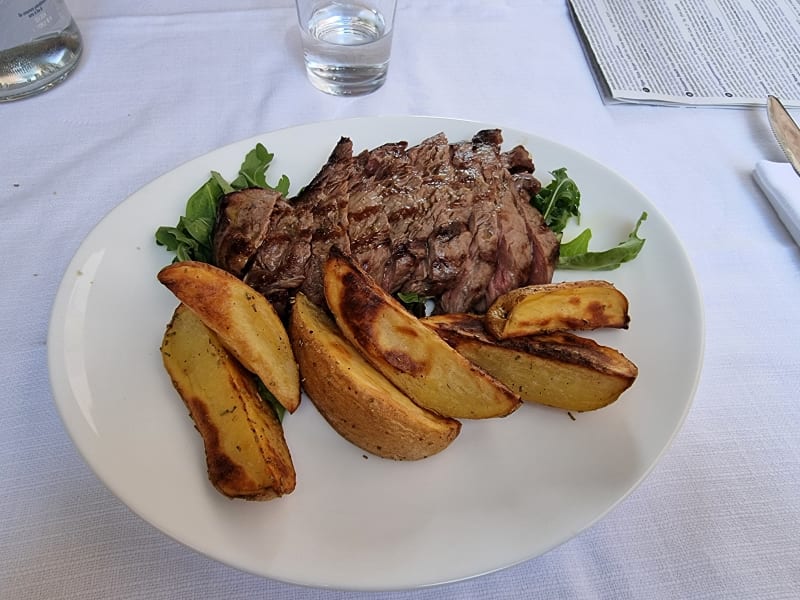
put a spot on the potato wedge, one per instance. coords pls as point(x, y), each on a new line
point(562, 306)
point(359, 403)
point(245, 322)
point(558, 369)
point(246, 452)
point(408, 353)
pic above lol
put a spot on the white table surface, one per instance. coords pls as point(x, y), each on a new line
point(162, 83)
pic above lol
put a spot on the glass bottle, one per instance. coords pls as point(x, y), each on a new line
point(39, 46)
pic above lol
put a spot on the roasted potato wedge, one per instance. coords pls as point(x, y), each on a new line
point(552, 307)
point(361, 404)
point(245, 322)
point(406, 352)
point(559, 369)
point(246, 452)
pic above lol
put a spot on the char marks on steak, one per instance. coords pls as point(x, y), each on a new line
point(441, 219)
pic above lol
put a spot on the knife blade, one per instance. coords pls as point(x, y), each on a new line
point(785, 130)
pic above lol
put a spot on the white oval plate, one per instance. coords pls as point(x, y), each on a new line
point(507, 490)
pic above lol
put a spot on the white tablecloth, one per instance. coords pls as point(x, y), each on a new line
point(162, 83)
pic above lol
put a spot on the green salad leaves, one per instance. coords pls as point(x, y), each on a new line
point(190, 239)
point(559, 201)
point(416, 304)
point(575, 254)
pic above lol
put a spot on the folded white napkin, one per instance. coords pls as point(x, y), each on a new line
point(781, 185)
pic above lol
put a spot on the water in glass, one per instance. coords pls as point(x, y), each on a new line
point(346, 48)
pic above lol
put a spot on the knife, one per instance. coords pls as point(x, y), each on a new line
point(786, 131)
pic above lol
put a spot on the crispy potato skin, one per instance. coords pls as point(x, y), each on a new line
point(246, 452)
point(570, 305)
point(244, 320)
point(561, 370)
point(359, 403)
point(408, 353)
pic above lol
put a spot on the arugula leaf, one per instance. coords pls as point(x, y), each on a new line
point(190, 239)
point(226, 187)
point(415, 303)
point(283, 186)
point(267, 397)
point(558, 201)
point(252, 173)
point(575, 254)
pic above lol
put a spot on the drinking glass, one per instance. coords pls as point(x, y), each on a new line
point(346, 43)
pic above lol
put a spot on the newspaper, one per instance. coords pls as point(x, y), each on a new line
point(693, 52)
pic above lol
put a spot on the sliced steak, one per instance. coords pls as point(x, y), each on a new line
point(278, 268)
point(301, 234)
point(243, 219)
point(448, 220)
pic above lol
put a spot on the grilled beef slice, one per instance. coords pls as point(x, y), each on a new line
point(243, 219)
point(448, 220)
